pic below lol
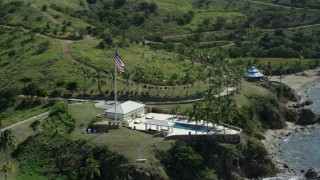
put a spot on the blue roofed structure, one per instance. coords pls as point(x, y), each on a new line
point(253, 74)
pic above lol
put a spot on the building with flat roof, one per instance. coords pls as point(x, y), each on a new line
point(126, 111)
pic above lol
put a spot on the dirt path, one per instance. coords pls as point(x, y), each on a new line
point(34, 118)
point(142, 147)
point(279, 5)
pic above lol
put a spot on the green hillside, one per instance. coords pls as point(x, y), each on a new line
point(162, 39)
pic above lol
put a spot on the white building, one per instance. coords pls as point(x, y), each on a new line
point(126, 111)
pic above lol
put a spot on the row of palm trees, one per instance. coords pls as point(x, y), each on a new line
point(228, 70)
point(7, 141)
point(216, 108)
point(139, 76)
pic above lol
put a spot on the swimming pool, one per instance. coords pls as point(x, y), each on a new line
point(189, 127)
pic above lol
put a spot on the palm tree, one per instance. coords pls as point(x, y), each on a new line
point(227, 110)
point(86, 74)
point(159, 76)
point(173, 80)
point(7, 168)
point(196, 114)
point(210, 74)
point(127, 75)
point(188, 79)
point(286, 66)
point(269, 68)
point(138, 76)
point(209, 109)
point(281, 68)
point(92, 169)
point(98, 78)
point(7, 140)
point(175, 110)
point(111, 72)
point(200, 77)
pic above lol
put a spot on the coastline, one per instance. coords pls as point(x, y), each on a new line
point(299, 82)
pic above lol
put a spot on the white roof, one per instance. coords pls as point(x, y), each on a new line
point(158, 122)
point(125, 107)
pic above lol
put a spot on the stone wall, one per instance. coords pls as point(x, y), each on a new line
point(193, 139)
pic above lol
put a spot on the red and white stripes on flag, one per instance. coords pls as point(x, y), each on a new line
point(119, 63)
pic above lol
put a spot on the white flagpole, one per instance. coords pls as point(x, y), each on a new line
point(115, 87)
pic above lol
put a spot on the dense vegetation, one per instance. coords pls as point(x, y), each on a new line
point(53, 154)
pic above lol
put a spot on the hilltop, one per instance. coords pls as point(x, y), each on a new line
point(58, 43)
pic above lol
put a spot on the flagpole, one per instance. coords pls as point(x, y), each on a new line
point(115, 86)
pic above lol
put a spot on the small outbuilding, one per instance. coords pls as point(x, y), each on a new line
point(159, 124)
point(253, 74)
point(126, 111)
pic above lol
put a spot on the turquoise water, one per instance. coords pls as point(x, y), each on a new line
point(189, 127)
point(302, 150)
point(181, 126)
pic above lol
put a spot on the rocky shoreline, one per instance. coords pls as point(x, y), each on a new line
point(272, 143)
point(273, 138)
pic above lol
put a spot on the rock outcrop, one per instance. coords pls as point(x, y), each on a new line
point(311, 174)
point(307, 117)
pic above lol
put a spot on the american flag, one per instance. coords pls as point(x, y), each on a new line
point(119, 63)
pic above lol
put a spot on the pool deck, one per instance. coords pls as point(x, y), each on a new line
point(214, 128)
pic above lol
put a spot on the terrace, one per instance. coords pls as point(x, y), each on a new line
point(174, 125)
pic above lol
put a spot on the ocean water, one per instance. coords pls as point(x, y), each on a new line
point(301, 151)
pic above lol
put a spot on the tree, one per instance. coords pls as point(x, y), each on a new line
point(158, 76)
point(7, 168)
point(72, 86)
point(196, 114)
point(227, 110)
point(35, 126)
point(92, 168)
point(42, 47)
point(138, 19)
point(7, 140)
point(44, 7)
point(220, 23)
point(188, 79)
point(31, 89)
point(200, 76)
point(281, 68)
point(126, 75)
point(25, 80)
point(119, 3)
point(98, 78)
point(173, 81)
point(86, 74)
point(138, 76)
point(269, 68)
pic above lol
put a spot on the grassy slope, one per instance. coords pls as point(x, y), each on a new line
point(45, 68)
point(21, 133)
point(72, 4)
point(249, 89)
point(123, 140)
point(52, 65)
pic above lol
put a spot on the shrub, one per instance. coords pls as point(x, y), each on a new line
point(60, 108)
